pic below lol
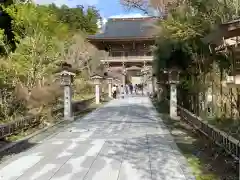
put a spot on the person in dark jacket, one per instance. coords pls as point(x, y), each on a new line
point(114, 91)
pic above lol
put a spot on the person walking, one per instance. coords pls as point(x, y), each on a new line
point(122, 89)
point(117, 90)
point(126, 89)
point(131, 88)
point(114, 91)
point(136, 88)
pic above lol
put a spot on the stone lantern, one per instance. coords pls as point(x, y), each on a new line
point(110, 81)
point(97, 81)
point(173, 81)
point(162, 80)
point(66, 81)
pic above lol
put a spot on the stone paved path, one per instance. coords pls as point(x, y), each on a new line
point(124, 140)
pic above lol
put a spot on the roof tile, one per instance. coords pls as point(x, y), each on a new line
point(127, 28)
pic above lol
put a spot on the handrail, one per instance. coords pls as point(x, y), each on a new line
point(13, 127)
point(220, 138)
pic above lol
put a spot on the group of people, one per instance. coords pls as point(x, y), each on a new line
point(127, 89)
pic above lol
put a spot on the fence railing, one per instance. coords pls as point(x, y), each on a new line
point(222, 139)
point(15, 126)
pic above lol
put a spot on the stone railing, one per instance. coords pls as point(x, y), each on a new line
point(29, 121)
point(222, 139)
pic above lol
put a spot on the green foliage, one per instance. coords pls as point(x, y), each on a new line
point(179, 43)
point(43, 38)
point(188, 22)
point(78, 18)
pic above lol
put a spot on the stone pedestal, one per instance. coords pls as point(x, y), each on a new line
point(97, 81)
point(97, 93)
point(123, 80)
point(68, 103)
point(159, 91)
point(110, 90)
point(173, 101)
point(149, 87)
point(124, 83)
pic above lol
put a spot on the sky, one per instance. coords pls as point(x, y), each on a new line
point(107, 8)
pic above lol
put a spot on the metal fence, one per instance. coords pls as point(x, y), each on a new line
point(222, 139)
point(13, 127)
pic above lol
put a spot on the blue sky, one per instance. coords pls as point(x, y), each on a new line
point(108, 8)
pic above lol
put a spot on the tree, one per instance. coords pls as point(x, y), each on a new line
point(179, 40)
point(78, 18)
point(28, 81)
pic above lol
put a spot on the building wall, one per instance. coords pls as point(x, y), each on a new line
point(130, 49)
point(136, 80)
point(127, 49)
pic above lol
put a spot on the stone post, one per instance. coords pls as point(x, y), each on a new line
point(110, 80)
point(109, 90)
point(124, 80)
point(97, 93)
point(153, 84)
point(66, 82)
point(173, 101)
point(97, 80)
point(142, 81)
point(67, 103)
point(173, 81)
point(158, 90)
point(149, 86)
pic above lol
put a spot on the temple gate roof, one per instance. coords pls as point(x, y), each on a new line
point(127, 28)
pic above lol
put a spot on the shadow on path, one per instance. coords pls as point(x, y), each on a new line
point(124, 140)
point(34, 141)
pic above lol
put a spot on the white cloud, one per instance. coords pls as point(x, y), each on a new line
point(131, 15)
point(101, 24)
point(70, 3)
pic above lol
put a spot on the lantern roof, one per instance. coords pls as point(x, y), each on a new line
point(174, 69)
point(66, 67)
point(134, 68)
point(64, 72)
point(96, 76)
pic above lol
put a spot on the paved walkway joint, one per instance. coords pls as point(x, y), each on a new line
point(124, 140)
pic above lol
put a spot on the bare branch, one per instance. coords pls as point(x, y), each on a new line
point(141, 5)
point(82, 55)
point(145, 5)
